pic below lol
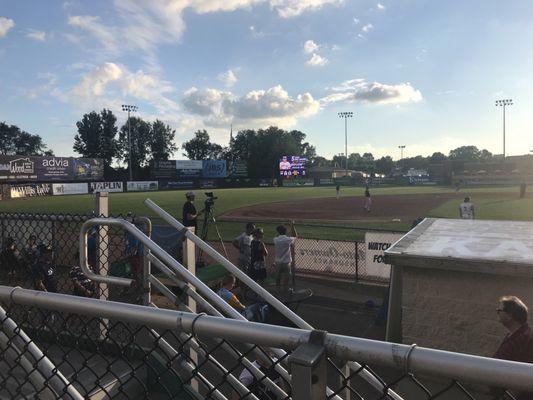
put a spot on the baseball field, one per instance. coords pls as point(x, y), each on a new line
point(392, 207)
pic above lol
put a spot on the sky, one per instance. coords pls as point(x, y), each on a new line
point(419, 73)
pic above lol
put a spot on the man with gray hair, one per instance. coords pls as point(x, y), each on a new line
point(518, 343)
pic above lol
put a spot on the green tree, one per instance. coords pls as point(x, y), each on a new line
point(14, 141)
point(437, 158)
point(140, 140)
point(96, 136)
point(384, 165)
point(465, 153)
point(162, 144)
point(201, 148)
point(262, 149)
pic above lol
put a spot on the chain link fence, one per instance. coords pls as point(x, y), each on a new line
point(41, 251)
point(52, 353)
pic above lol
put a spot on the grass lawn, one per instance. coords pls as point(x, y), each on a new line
point(229, 199)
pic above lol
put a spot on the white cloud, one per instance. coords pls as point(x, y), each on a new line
point(367, 28)
point(381, 7)
point(373, 92)
point(145, 24)
point(293, 8)
point(48, 80)
point(5, 25)
point(228, 78)
point(317, 61)
point(259, 107)
point(356, 21)
point(95, 82)
point(39, 36)
point(310, 46)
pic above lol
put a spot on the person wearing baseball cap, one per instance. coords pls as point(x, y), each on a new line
point(44, 271)
point(190, 215)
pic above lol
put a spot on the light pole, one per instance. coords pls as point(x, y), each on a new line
point(401, 151)
point(346, 115)
point(503, 103)
point(129, 109)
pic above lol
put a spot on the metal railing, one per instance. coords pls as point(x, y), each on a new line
point(307, 350)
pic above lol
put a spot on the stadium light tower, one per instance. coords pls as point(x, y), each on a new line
point(346, 115)
point(401, 151)
point(129, 109)
point(504, 103)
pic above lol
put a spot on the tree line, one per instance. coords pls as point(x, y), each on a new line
point(98, 136)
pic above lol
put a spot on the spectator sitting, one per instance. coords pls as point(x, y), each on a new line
point(44, 271)
point(284, 250)
point(267, 366)
point(225, 292)
point(82, 286)
point(9, 257)
point(30, 252)
point(518, 343)
point(258, 253)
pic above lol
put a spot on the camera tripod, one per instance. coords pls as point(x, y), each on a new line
point(209, 218)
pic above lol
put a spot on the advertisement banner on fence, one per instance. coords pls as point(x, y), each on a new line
point(214, 169)
point(189, 168)
point(238, 169)
point(142, 186)
point(208, 184)
point(375, 245)
point(30, 190)
point(60, 189)
point(326, 256)
point(164, 169)
point(176, 185)
point(95, 187)
point(49, 168)
point(298, 182)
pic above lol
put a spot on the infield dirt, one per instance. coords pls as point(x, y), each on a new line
point(405, 208)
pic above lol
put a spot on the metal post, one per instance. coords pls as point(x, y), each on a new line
point(129, 146)
point(504, 131)
point(346, 146)
point(102, 243)
point(189, 258)
point(309, 368)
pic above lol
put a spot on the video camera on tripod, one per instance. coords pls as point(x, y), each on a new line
point(209, 202)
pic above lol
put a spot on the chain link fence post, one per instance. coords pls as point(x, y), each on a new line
point(309, 368)
point(102, 254)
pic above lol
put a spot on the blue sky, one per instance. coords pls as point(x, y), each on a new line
point(423, 74)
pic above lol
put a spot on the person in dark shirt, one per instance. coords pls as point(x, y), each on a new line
point(44, 271)
point(518, 343)
point(10, 257)
point(368, 199)
point(190, 215)
point(258, 250)
point(30, 253)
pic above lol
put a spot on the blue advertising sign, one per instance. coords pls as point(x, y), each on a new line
point(214, 169)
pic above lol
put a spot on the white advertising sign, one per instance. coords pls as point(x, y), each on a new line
point(59, 189)
point(328, 256)
point(189, 164)
point(142, 186)
point(375, 246)
point(106, 187)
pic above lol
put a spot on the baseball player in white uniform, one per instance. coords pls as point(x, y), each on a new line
point(466, 209)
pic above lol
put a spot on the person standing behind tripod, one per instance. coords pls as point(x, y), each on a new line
point(257, 268)
point(190, 215)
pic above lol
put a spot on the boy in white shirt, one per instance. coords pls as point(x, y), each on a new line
point(284, 251)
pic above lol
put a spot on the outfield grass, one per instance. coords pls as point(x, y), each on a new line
point(487, 207)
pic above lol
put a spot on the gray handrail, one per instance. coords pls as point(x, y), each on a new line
point(105, 221)
point(269, 298)
point(419, 360)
